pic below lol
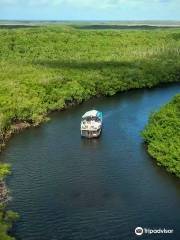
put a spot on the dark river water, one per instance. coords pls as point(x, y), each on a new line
point(68, 188)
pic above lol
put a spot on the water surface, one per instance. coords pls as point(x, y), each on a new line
point(68, 188)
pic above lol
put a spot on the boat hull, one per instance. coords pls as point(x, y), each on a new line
point(90, 134)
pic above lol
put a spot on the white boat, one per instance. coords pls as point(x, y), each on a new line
point(91, 124)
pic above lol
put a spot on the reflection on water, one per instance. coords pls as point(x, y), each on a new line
point(69, 188)
point(91, 143)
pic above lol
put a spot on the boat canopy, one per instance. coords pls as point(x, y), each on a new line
point(92, 113)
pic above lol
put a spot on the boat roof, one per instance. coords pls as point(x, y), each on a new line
point(92, 113)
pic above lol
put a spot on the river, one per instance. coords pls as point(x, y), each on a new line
point(68, 188)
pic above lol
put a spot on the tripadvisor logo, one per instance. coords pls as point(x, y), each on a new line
point(140, 231)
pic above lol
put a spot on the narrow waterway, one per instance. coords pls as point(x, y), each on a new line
point(68, 188)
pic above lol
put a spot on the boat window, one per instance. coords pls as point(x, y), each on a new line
point(91, 119)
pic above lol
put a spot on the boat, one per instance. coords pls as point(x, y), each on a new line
point(91, 124)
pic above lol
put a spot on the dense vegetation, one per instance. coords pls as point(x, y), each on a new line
point(162, 135)
point(4, 171)
point(45, 68)
point(7, 218)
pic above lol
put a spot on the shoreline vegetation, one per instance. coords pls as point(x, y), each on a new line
point(162, 135)
point(49, 68)
point(44, 69)
point(7, 218)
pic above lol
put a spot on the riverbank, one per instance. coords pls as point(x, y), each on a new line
point(162, 135)
point(7, 218)
point(46, 68)
point(13, 129)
